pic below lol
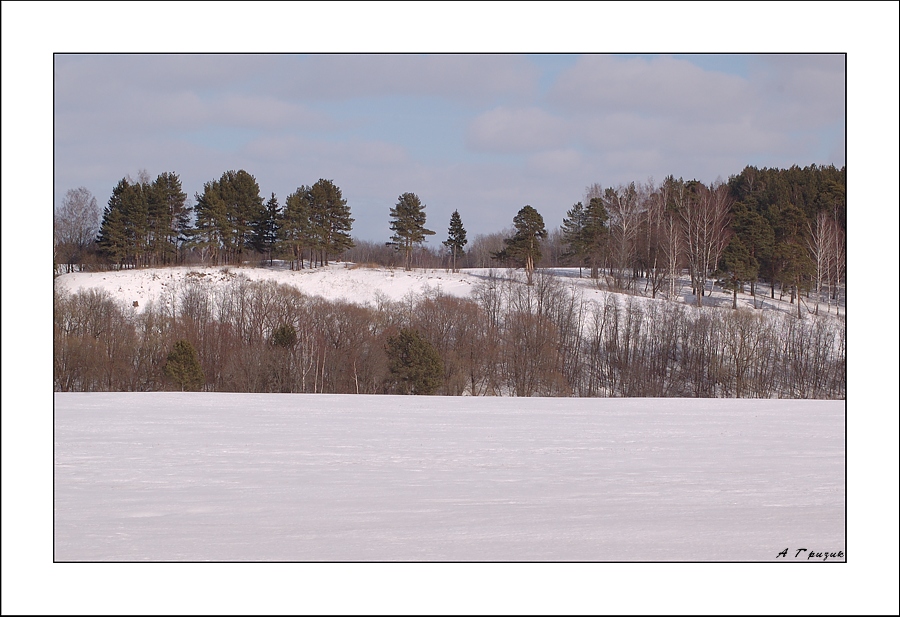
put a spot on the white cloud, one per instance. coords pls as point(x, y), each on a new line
point(800, 91)
point(516, 130)
point(675, 88)
point(470, 78)
point(555, 162)
point(242, 110)
point(671, 110)
point(137, 114)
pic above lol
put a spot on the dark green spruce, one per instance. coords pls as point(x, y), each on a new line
point(456, 238)
point(414, 364)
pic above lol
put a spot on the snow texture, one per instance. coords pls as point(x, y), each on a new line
point(289, 477)
point(341, 281)
point(366, 285)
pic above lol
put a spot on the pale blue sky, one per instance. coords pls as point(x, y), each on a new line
point(484, 134)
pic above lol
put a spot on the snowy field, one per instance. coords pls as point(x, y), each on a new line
point(235, 477)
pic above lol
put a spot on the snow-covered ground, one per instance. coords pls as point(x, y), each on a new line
point(364, 284)
point(175, 476)
point(339, 281)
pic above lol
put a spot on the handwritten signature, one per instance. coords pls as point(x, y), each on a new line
point(807, 554)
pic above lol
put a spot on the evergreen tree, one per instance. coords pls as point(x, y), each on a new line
point(585, 231)
point(183, 367)
point(738, 266)
point(572, 229)
point(456, 237)
point(414, 363)
point(330, 221)
point(244, 208)
point(122, 230)
point(788, 200)
point(596, 234)
point(169, 217)
point(756, 235)
point(408, 225)
point(295, 224)
point(265, 230)
point(136, 211)
point(112, 239)
point(524, 247)
point(211, 233)
point(284, 336)
point(227, 213)
point(790, 260)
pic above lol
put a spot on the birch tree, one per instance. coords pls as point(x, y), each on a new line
point(705, 216)
point(624, 205)
point(75, 226)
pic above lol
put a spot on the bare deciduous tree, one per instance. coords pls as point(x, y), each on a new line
point(625, 205)
point(75, 226)
point(705, 215)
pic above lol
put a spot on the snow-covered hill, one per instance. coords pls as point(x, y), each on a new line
point(366, 284)
point(338, 281)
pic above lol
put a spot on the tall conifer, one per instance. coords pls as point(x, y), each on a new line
point(524, 248)
point(330, 220)
point(408, 224)
point(456, 237)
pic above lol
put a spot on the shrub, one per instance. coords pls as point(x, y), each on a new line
point(284, 336)
point(183, 367)
point(414, 363)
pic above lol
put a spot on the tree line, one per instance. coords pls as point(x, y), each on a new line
point(786, 227)
point(509, 339)
point(149, 223)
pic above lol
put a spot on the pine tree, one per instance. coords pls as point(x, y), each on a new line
point(138, 202)
point(211, 233)
point(756, 235)
point(136, 211)
point(330, 221)
point(244, 207)
point(169, 217)
point(408, 224)
point(524, 247)
point(112, 239)
point(227, 213)
point(738, 266)
point(295, 224)
point(265, 230)
point(456, 237)
point(790, 260)
point(125, 233)
point(414, 363)
point(572, 229)
point(183, 367)
point(595, 233)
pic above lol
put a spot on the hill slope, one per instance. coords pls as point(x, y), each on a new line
point(365, 285)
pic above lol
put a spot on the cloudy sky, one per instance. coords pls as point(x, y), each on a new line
point(481, 133)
